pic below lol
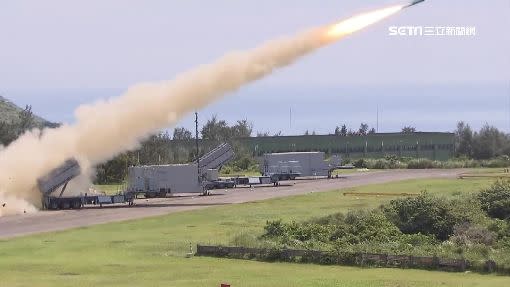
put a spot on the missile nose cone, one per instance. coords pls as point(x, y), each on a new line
point(414, 3)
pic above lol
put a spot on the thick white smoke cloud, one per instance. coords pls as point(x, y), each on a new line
point(110, 127)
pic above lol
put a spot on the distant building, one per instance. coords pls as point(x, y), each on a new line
point(431, 145)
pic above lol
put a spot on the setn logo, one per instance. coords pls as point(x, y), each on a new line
point(405, 31)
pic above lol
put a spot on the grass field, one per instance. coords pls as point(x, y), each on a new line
point(151, 252)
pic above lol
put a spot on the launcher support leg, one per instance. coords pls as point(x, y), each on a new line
point(63, 188)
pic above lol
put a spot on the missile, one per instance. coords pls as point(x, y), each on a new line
point(414, 3)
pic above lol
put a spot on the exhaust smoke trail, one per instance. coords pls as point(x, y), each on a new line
point(108, 128)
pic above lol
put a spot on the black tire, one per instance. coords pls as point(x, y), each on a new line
point(76, 204)
point(53, 205)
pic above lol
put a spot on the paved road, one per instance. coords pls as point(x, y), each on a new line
point(47, 221)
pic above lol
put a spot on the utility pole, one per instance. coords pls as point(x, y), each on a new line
point(377, 118)
point(290, 118)
point(196, 144)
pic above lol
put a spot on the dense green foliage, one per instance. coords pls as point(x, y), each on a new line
point(496, 200)
point(430, 215)
point(465, 226)
point(219, 130)
point(22, 121)
point(487, 143)
point(394, 162)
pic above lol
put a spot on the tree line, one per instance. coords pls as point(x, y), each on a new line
point(157, 149)
point(489, 142)
point(219, 130)
point(364, 129)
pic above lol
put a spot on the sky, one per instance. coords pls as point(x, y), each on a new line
point(56, 55)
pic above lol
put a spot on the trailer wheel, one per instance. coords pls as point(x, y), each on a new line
point(76, 204)
point(53, 205)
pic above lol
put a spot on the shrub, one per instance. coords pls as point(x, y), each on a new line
point(500, 227)
point(366, 226)
point(496, 199)
point(421, 164)
point(245, 163)
point(424, 214)
point(381, 164)
point(389, 162)
point(501, 161)
point(298, 233)
point(468, 234)
point(419, 226)
point(333, 219)
point(360, 163)
point(275, 228)
point(226, 170)
point(417, 239)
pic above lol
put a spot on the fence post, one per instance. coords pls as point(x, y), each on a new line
point(463, 265)
point(435, 262)
point(490, 266)
point(384, 259)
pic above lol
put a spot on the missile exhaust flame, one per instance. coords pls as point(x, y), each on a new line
point(108, 128)
point(360, 21)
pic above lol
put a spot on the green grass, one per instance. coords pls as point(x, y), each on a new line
point(151, 252)
point(110, 188)
point(488, 172)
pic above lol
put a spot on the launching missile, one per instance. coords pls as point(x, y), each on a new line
point(414, 3)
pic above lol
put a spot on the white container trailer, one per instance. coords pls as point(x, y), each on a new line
point(160, 180)
point(302, 163)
